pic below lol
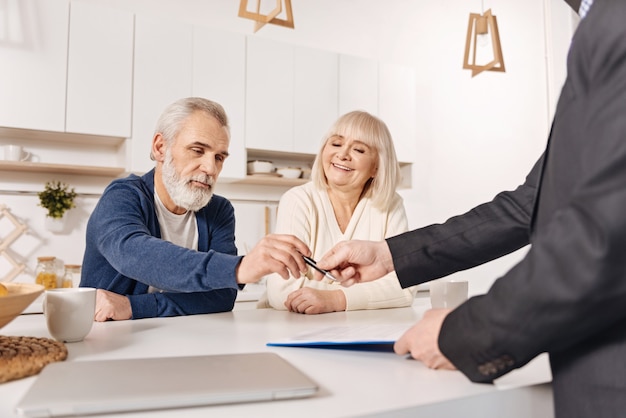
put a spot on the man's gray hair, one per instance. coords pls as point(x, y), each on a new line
point(171, 119)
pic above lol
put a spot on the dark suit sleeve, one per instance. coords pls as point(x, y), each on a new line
point(483, 234)
point(569, 292)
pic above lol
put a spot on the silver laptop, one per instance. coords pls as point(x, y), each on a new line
point(108, 386)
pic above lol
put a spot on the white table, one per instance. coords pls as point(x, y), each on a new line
point(353, 383)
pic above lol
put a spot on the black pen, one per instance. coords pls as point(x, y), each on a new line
point(313, 264)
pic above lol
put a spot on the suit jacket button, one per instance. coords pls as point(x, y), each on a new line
point(482, 369)
point(487, 369)
point(508, 361)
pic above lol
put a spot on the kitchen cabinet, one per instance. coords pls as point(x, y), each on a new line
point(397, 108)
point(34, 64)
point(219, 74)
point(291, 96)
point(269, 95)
point(201, 62)
point(358, 84)
point(43, 98)
point(325, 86)
point(99, 71)
point(163, 74)
point(316, 105)
point(108, 74)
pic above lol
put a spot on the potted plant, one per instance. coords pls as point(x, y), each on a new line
point(56, 198)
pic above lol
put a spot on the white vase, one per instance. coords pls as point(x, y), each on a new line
point(54, 225)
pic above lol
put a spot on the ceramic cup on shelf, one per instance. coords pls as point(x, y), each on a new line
point(69, 312)
point(260, 167)
point(15, 153)
point(448, 293)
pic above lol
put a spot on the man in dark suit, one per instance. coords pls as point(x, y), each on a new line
point(567, 297)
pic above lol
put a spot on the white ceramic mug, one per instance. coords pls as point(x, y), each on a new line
point(15, 153)
point(69, 312)
point(448, 294)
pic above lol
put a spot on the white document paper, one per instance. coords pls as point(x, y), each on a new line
point(369, 334)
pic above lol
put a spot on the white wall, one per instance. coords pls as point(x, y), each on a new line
point(476, 136)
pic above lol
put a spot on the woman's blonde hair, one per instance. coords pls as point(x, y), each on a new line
point(373, 132)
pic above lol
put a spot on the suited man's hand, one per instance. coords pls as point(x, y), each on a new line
point(421, 340)
point(356, 261)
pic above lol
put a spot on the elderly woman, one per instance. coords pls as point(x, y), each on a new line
point(352, 195)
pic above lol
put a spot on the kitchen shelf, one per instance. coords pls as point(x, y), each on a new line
point(259, 154)
point(59, 137)
point(27, 166)
point(271, 181)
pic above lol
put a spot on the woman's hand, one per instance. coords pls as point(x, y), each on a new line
point(315, 301)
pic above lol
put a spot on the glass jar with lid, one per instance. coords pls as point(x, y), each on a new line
point(48, 273)
point(72, 275)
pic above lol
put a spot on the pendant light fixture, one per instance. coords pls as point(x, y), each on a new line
point(261, 19)
point(483, 51)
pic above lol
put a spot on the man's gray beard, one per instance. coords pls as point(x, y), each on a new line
point(181, 192)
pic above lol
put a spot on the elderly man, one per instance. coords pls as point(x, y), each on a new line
point(162, 244)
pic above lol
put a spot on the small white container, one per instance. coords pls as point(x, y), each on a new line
point(289, 172)
point(259, 166)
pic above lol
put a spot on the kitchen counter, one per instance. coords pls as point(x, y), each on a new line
point(353, 383)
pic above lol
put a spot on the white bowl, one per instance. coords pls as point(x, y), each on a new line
point(289, 172)
point(259, 166)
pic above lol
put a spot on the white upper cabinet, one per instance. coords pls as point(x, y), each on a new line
point(75, 67)
point(163, 74)
point(33, 53)
point(291, 96)
point(200, 62)
point(397, 108)
point(316, 105)
point(269, 95)
point(219, 74)
point(99, 73)
point(358, 84)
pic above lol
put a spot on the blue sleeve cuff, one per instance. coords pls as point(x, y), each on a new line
point(143, 306)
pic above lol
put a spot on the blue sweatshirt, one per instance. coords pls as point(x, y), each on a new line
point(125, 254)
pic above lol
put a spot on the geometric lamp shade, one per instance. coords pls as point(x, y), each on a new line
point(483, 51)
point(261, 19)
